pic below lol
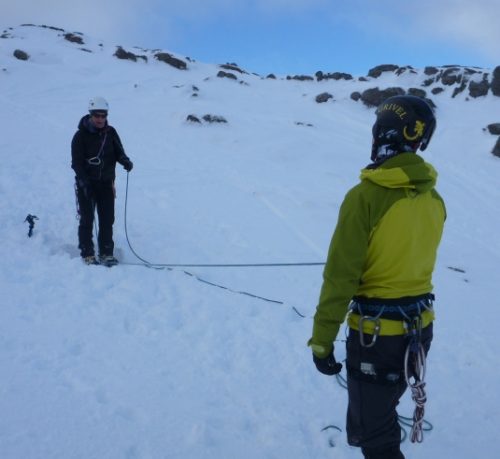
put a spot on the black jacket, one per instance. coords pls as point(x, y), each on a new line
point(102, 147)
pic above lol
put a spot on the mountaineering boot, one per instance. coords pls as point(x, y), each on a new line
point(108, 260)
point(90, 260)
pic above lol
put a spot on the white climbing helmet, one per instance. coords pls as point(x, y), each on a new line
point(98, 103)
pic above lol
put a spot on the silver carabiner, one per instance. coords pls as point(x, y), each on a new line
point(376, 330)
point(95, 161)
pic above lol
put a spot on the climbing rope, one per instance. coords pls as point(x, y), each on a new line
point(414, 369)
point(205, 265)
point(417, 424)
point(170, 266)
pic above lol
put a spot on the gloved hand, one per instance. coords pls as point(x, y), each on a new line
point(327, 365)
point(128, 165)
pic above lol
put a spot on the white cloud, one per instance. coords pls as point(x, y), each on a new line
point(102, 19)
point(472, 24)
point(130, 20)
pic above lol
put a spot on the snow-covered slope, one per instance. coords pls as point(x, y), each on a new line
point(132, 362)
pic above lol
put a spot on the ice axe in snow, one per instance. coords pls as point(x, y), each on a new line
point(31, 221)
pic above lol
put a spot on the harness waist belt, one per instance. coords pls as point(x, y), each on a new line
point(388, 327)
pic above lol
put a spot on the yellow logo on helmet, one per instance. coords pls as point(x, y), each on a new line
point(418, 131)
point(395, 108)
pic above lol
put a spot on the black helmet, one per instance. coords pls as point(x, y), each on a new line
point(404, 123)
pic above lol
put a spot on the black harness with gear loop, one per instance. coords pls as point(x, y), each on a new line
point(372, 312)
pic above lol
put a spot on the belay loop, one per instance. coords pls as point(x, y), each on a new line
point(414, 369)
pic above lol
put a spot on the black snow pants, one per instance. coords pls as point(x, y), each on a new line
point(376, 382)
point(101, 196)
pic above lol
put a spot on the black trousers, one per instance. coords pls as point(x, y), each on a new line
point(376, 382)
point(100, 196)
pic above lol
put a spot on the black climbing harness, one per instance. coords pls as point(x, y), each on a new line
point(414, 358)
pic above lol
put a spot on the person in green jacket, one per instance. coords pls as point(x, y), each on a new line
point(379, 273)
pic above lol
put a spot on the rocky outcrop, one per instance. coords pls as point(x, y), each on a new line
point(496, 148)
point(374, 97)
point(402, 70)
point(480, 88)
point(300, 78)
point(430, 70)
point(193, 119)
point(57, 29)
point(127, 55)
point(229, 75)
point(233, 67)
point(459, 89)
point(375, 72)
point(214, 119)
point(417, 92)
point(323, 97)
point(355, 96)
point(171, 60)
point(207, 118)
point(320, 76)
point(460, 78)
point(495, 82)
point(74, 38)
point(493, 128)
point(451, 76)
point(21, 55)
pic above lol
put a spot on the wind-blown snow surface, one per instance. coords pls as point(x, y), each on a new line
point(132, 362)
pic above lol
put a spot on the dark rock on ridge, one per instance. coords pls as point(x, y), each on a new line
point(171, 60)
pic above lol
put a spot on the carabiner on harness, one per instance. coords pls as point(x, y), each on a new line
point(95, 161)
point(376, 330)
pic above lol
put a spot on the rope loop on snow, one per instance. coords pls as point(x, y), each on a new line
point(206, 265)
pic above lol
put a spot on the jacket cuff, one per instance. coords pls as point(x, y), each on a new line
point(320, 350)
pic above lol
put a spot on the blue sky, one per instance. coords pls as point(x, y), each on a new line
point(286, 36)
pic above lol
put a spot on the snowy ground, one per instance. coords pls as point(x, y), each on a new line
point(132, 362)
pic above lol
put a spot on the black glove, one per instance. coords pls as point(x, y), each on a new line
point(327, 365)
point(128, 165)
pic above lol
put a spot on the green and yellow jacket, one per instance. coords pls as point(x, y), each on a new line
point(385, 243)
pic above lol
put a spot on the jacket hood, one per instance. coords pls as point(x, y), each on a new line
point(86, 124)
point(406, 170)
